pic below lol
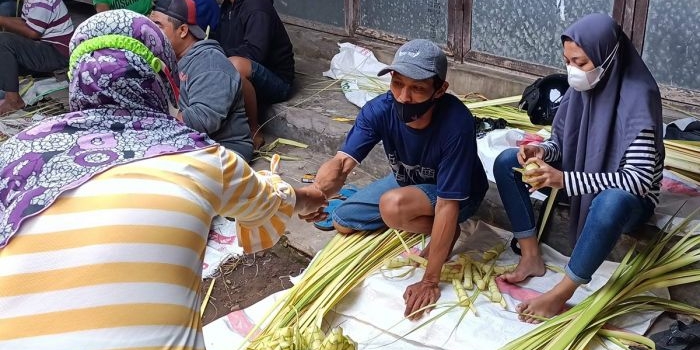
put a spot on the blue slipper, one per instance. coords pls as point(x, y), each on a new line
point(345, 192)
point(327, 223)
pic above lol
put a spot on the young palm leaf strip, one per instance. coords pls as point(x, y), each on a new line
point(661, 264)
point(342, 265)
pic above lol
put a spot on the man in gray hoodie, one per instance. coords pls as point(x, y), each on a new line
point(211, 99)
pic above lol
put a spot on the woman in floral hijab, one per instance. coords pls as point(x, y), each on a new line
point(119, 114)
point(105, 211)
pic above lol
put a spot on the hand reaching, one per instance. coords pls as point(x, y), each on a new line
point(310, 203)
point(418, 296)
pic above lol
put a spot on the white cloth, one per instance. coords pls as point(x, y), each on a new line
point(372, 314)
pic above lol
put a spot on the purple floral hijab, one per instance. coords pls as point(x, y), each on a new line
point(119, 114)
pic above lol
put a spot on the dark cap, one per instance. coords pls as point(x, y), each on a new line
point(184, 11)
point(419, 59)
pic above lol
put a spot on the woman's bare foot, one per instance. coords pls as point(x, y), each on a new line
point(529, 266)
point(543, 306)
point(548, 304)
point(531, 263)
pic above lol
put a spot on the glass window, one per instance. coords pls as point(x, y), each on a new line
point(672, 42)
point(330, 12)
point(528, 31)
point(412, 19)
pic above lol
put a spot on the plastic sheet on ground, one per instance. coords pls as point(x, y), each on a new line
point(372, 314)
point(221, 246)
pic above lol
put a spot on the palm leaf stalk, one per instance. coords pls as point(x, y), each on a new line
point(660, 264)
point(342, 265)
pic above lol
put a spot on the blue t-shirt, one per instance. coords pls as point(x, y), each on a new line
point(444, 153)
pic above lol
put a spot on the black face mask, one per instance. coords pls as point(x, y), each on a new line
point(410, 112)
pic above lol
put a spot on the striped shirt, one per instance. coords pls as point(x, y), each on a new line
point(640, 171)
point(116, 262)
point(51, 20)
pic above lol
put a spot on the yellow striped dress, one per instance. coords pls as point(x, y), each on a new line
point(116, 262)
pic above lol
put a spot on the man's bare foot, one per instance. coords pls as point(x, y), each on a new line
point(544, 306)
point(258, 140)
point(529, 266)
point(9, 106)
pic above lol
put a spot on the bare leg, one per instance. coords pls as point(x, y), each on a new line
point(549, 303)
point(13, 102)
point(409, 209)
point(531, 263)
point(250, 100)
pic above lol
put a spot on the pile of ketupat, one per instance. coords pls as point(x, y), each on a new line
point(662, 263)
point(465, 273)
point(295, 321)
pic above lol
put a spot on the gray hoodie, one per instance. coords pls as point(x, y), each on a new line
point(211, 99)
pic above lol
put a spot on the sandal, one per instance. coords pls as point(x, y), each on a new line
point(346, 192)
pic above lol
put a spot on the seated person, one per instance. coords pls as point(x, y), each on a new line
point(429, 138)
point(104, 226)
point(208, 16)
point(140, 6)
point(255, 40)
point(210, 99)
point(36, 42)
point(606, 152)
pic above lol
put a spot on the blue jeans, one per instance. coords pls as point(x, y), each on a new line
point(361, 211)
point(612, 212)
point(269, 88)
point(8, 8)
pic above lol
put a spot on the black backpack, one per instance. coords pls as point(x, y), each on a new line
point(536, 98)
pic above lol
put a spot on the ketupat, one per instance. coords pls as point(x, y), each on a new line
point(336, 340)
point(450, 271)
point(494, 252)
point(468, 281)
point(495, 294)
point(478, 278)
point(528, 167)
point(344, 263)
point(462, 297)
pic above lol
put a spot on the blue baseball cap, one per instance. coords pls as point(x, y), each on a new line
point(419, 59)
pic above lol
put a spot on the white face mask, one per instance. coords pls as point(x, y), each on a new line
point(584, 81)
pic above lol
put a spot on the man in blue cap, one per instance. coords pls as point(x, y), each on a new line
point(437, 180)
point(211, 97)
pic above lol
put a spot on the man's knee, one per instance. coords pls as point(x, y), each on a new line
point(342, 229)
point(242, 65)
point(392, 207)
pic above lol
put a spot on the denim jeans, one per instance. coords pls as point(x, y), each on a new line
point(8, 8)
point(612, 212)
point(269, 88)
point(361, 211)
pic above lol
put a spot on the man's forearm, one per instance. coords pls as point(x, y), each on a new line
point(18, 26)
point(441, 238)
